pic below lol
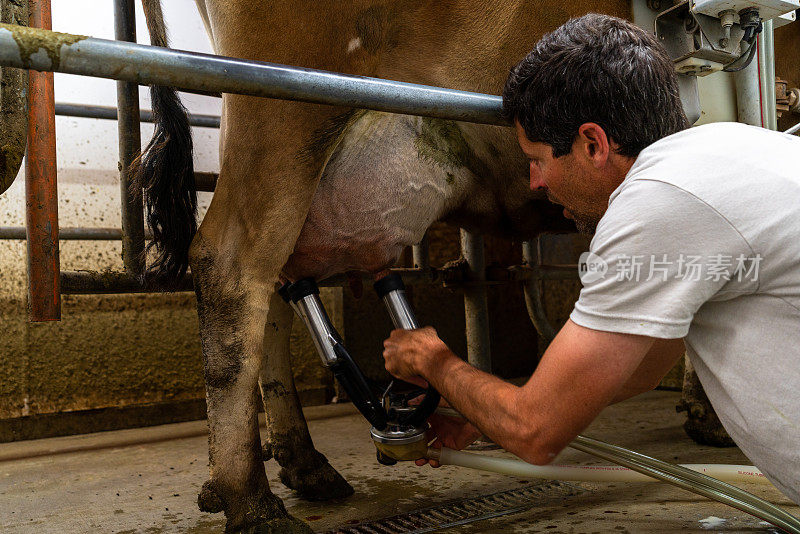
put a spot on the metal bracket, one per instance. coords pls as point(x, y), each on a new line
point(697, 43)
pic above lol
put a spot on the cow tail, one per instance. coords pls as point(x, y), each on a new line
point(165, 172)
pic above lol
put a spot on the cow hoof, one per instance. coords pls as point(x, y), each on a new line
point(705, 433)
point(260, 512)
point(208, 500)
point(321, 484)
point(703, 425)
point(283, 525)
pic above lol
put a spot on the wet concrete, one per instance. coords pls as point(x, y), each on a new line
point(152, 487)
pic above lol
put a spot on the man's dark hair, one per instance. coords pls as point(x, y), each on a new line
point(599, 69)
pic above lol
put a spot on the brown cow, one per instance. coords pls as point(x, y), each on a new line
point(310, 190)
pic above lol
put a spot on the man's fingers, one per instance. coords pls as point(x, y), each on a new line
point(421, 462)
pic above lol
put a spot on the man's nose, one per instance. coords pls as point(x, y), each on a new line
point(537, 181)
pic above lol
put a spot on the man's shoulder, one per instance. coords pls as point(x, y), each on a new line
point(715, 135)
point(718, 146)
point(719, 163)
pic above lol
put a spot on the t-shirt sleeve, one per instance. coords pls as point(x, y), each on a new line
point(659, 253)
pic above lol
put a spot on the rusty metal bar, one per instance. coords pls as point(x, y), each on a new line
point(130, 145)
point(41, 193)
point(77, 54)
point(476, 307)
point(66, 109)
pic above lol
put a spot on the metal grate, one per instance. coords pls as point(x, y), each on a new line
point(464, 511)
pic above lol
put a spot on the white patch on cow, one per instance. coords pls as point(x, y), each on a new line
point(353, 45)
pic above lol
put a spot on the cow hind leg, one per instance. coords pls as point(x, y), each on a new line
point(303, 468)
point(232, 309)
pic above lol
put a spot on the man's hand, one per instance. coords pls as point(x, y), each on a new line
point(451, 432)
point(409, 353)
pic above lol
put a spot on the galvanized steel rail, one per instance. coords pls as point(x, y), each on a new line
point(44, 50)
point(110, 113)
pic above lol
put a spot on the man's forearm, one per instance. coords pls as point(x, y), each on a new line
point(497, 408)
point(579, 374)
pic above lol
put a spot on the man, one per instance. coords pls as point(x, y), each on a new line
point(697, 230)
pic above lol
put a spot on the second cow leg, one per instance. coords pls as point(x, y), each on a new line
point(304, 469)
point(702, 423)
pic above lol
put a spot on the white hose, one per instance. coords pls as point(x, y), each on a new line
point(585, 473)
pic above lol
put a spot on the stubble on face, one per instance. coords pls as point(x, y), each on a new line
point(585, 223)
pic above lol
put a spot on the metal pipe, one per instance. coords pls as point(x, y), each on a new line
point(205, 181)
point(106, 282)
point(748, 95)
point(320, 327)
point(399, 310)
point(71, 234)
point(41, 191)
point(110, 113)
point(113, 283)
point(75, 54)
point(421, 254)
point(130, 145)
point(769, 54)
point(766, 73)
point(533, 294)
point(476, 307)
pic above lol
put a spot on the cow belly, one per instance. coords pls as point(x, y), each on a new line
point(388, 179)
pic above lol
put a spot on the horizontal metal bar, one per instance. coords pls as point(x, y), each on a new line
point(111, 282)
point(109, 112)
point(114, 282)
point(71, 234)
point(74, 54)
point(205, 181)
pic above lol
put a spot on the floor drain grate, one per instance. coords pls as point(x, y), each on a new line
point(463, 511)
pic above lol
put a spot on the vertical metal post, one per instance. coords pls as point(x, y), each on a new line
point(41, 192)
point(421, 254)
point(748, 95)
point(476, 308)
point(766, 71)
point(129, 148)
point(532, 255)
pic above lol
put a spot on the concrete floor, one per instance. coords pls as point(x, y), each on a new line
point(147, 480)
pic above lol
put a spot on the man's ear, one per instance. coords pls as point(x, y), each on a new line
point(593, 144)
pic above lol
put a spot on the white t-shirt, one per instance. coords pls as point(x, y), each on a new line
point(702, 241)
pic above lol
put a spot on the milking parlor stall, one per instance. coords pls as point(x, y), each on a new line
point(108, 407)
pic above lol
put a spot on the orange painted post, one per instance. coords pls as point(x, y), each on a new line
point(44, 296)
